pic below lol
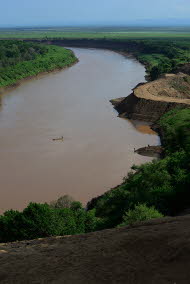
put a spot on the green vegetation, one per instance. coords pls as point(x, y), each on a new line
point(162, 50)
point(176, 128)
point(162, 56)
point(20, 59)
point(43, 220)
point(139, 214)
point(163, 184)
point(94, 33)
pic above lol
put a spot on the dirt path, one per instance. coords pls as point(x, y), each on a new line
point(153, 252)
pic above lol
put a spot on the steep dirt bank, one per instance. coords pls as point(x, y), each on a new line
point(150, 101)
point(153, 252)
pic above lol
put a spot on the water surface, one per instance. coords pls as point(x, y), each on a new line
point(98, 147)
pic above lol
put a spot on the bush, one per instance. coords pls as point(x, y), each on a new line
point(140, 213)
point(176, 128)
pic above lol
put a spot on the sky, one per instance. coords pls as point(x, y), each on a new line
point(94, 12)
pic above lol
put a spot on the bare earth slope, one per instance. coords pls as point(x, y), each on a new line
point(153, 252)
point(150, 101)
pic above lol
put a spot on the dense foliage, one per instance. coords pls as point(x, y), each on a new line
point(176, 130)
point(43, 220)
point(162, 56)
point(20, 59)
point(164, 184)
point(13, 52)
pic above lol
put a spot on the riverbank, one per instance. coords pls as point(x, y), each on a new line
point(162, 183)
point(51, 58)
point(159, 56)
point(7, 89)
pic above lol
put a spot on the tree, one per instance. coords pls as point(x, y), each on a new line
point(64, 201)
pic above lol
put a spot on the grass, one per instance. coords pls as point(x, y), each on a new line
point(97, 33)
point(94, 35)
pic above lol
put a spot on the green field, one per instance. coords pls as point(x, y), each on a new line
point(92, 33)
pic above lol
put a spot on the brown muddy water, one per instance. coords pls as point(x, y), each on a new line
point(98, 147)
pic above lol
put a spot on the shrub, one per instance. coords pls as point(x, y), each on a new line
point(140, 213)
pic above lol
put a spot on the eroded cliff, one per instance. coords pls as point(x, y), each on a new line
point(151, 100)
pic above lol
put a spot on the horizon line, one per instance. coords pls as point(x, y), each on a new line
point(95, 26)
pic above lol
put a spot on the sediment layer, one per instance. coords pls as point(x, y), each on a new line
point(150, 101)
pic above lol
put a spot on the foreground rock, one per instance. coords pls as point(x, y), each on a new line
point(151, 100)
point(153, 252)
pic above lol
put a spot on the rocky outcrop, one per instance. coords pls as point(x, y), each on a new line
point(151, 100)
point(151, 252)
point(150, 151)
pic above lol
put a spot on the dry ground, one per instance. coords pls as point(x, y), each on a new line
point(169, 88)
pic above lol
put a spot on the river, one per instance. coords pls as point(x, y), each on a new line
point(98, 147)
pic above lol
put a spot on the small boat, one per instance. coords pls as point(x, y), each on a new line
point(58, 139)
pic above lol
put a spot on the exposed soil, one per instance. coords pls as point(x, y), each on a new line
point(169, 88)
point(150, 101)
point(153, 252)
point(145, 129)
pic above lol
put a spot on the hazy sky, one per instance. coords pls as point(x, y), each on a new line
point(72, 12)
